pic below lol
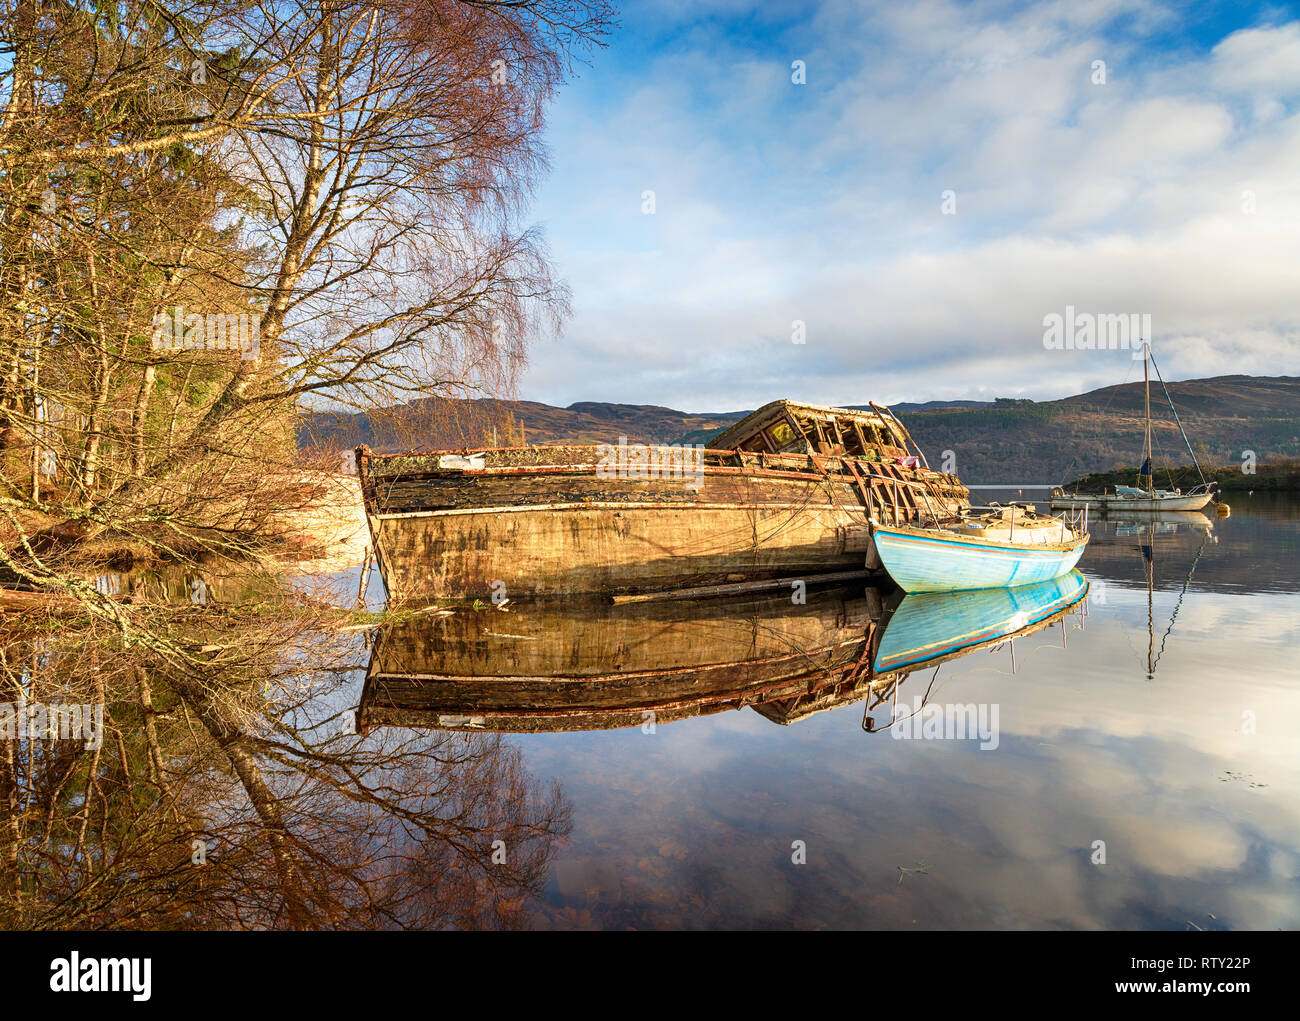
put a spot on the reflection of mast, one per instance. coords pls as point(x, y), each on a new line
point(1149, 565)
point(1149, 553)
point(1179, 605)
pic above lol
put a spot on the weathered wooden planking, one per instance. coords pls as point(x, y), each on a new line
point(399, 493)
point(403, 495)
point(462, 554)
point(448, 706)
point(786, 708)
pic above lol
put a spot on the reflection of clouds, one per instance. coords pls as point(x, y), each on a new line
point(1171, 844)
point(1090, 750)
point(1267, 619)
point(1218, 662)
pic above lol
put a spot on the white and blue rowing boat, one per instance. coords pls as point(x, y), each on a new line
point(1011, 546)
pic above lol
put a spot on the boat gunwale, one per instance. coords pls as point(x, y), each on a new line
point(737, 699)
point(520, 508)
point(940, 486)
point(582, 469)
point(739, 696)
point(979, 542)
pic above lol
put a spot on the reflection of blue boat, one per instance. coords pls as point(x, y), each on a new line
point(979, 553)
point(934, 625)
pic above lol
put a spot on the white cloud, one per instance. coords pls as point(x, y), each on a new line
point(1262, 61)
point(822, 202)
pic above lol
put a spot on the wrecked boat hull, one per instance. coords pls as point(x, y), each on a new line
point(514, 551)
point(497, 529)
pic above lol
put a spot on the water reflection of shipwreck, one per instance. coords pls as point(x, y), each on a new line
point(592, 667)
point(783, 493)
point(546, 667)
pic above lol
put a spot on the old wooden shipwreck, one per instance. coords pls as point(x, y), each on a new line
point(787, 492)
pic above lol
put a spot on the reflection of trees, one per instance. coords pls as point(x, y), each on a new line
point(235, 731)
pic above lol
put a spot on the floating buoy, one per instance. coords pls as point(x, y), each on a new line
point(1224, 510)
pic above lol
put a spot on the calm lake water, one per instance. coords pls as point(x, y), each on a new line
point(1116, 749)
point(1144, 771)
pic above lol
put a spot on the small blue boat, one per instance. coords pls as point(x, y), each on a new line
point(1011, 546)
point(935, 625)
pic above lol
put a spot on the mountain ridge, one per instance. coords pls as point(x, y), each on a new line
point(1008, 439)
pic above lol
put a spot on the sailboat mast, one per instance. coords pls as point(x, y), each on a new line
point(1146, 374)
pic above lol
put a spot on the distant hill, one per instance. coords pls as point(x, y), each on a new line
point(999, 441)
point(1052, 441)
point(931, 406)
point(437, 423)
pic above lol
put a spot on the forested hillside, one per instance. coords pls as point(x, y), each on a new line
point(1002, 441)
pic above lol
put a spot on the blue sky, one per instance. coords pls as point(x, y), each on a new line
point(1172, 188)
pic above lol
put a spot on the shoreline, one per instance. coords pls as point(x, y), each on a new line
point(1271, 478)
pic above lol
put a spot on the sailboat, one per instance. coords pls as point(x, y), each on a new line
point(1144, 497)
